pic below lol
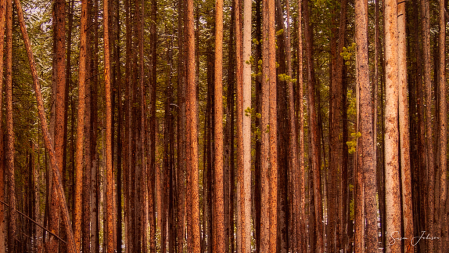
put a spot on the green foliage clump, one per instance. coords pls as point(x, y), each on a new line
point(353, 143)
point(348, 53)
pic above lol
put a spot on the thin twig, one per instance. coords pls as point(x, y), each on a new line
point(39, 225)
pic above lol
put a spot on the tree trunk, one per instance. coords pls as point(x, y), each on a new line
point(442, 222)
point(80, 124)
point(406, 183)
point(428, 133)
point(366, 125)
point(181, 130)
point(48, 143)
point(12, 225)
point(60, 85)
point(109, 178)
point(245, 175)
point(301, 232)
point(391, 126)
point(272, 122)
point(192, 138)
point(218, 233)
point(152, 168)
point(313, 131)
point(3, 172)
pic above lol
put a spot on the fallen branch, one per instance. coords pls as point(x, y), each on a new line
point(35, 222)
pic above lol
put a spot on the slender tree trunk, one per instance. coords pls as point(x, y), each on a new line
point(258, 158)
point(302, 173)
point(12, 225)
point(181, 129)
point(313, 131)
point(442, 222)
point(152, 168)
point(366, 126)
point(337, 144)
point(86, 150)
point(218, 233)
point(109, 178)
point(428, 94)
point(391, 126)
point(192, 136)
point(3, 172)
point(245, 178)
point(239, 108)
point(141, 176)
point(48, 143)
point(406, 183)
point(273, 122)
point(119, 130)
point(80, 124)
point(264, 163)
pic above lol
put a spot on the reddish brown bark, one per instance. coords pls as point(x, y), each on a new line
point(12, 225)
point(48, 143)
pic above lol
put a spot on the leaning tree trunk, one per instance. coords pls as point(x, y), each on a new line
point(72, 247)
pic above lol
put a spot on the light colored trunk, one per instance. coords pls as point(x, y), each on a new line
point(273, 124)
point(245, 179)
point(406, 174)
point(392, 184)
point(366, 127)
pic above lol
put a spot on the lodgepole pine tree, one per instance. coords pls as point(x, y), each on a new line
point(313, 127)
point(109, 178)
point(218, 224)
point(245, 170)
point(3, 172)
point(301, 232)
point(193, 217)
point(264, 150)
point(392, 183)
point(72, 247)
point(12, 225)
point(366, 127)
point(404, 137)
point(442, 223)
point(59, 63)
point(80, 124)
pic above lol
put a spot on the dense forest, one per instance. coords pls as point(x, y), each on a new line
point(223, 126)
